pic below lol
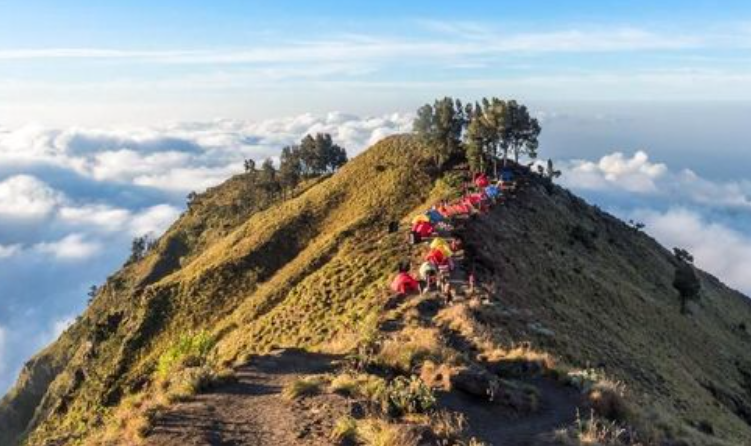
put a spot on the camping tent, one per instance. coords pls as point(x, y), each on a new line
point(492, 191)
point(507, 176)
point(420, 218)
point(437, 257)
point(404, 283)
point(423, 228)
point(481, 180)
point(434, 216)
point(443, 245)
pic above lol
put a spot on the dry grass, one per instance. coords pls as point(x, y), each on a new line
point(379, 432)
point(345, 429)
point(303, 386)
point(411, 346)
point(362, 385)
point(437, 376)
point(608, 400)
point(447, 425)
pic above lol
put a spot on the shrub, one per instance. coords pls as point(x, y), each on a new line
point(345, 428)
point(190, 381)
point(302, 387)
point(191, 350)
point(406, 396)
point(607, 399)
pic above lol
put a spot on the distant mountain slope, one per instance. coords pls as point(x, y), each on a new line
point(309, 271)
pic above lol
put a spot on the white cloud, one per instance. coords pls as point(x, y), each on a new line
point(60, 325)
point(100, 216)
point(154, 220)
point(449, 40)
point(718, 249)
point(70, 247)
point(7, 251)
point(3, 342)
point(638, 175)
point(635, 174)
point(179, 157)
point(26, 197)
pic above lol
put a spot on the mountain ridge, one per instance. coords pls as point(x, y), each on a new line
point(309, 272)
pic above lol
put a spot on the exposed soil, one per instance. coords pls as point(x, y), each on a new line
point(500, 426)
point(251, 411)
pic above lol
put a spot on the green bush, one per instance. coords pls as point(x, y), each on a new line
point(405, 396)
point(191, 350)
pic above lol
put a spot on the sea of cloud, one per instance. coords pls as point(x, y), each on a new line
point(72, 199)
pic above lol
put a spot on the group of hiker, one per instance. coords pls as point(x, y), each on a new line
point(435, 271)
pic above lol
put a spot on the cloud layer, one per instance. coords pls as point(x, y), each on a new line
point(680, 208)
point(72, 199)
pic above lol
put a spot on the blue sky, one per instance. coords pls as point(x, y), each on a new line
point(111, 112)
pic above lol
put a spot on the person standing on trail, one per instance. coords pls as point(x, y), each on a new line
point(471, 279)
point(448, 294)
point(428, 274)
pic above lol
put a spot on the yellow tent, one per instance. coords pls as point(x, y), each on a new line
point(443, 245)
point(419, 218)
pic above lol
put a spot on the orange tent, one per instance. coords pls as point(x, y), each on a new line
point(404, 283)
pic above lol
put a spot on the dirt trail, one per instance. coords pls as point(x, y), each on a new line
point(252, 411)
point(498, 426)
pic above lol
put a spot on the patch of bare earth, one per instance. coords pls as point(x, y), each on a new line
point(252, 411)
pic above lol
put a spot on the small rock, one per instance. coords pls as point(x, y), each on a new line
point(474, 380)
point(540, 329)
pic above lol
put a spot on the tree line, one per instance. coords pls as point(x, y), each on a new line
point(484, 132)
point(313, 156)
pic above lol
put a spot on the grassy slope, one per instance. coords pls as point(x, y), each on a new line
point(612, 304)
point(296, 273)
point(312, 270)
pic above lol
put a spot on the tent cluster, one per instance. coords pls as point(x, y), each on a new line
point(439, 259)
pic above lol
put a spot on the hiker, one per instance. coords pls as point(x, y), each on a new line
point(456, 244)
point(404, 284)
point(448, 294)
point(428, 274)
point(507, 180)
point(414, 238)
point(471, 279)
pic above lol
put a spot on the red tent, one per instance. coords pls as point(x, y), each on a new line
point(404, 283)
point(423, 228)
point(481, 181)
point(474, 199)
point(437, 257)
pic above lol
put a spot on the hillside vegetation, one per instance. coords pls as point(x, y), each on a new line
point(564, 286)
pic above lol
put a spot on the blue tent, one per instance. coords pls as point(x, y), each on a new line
point(507, 175)
point(492, 191)
point(434, 216)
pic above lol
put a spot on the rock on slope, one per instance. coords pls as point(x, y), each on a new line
point(312, 268)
